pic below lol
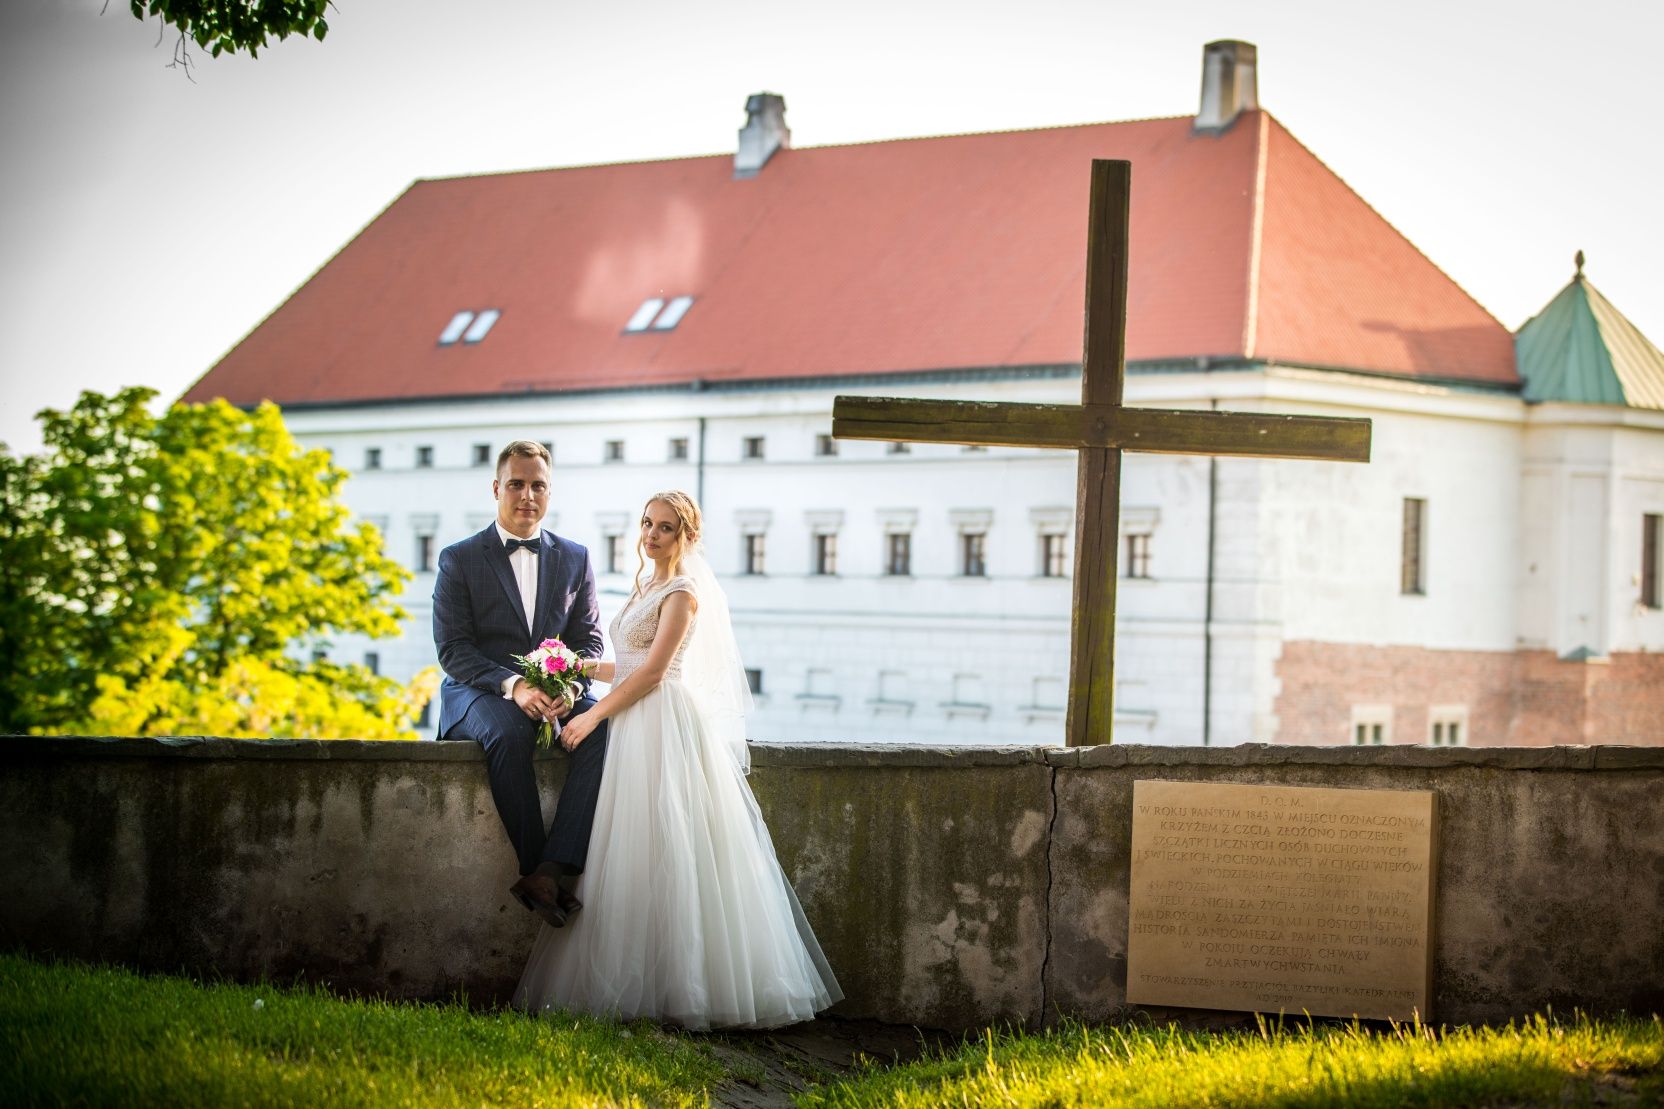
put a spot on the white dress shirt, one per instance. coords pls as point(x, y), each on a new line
point(524, 563)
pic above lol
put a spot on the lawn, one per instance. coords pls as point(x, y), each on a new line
point(79, 1035)
point(73, 1034)
point(1542, 1062)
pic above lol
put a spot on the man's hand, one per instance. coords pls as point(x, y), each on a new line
point(562, 705)
point(536, 704)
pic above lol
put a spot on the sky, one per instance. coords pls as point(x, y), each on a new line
point(150, 220)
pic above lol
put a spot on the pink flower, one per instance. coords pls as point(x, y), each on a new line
point(559, 661)
point(551, 644)
point(553, 663)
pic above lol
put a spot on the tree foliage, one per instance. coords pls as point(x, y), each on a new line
point(161, 575)
point(228, 26)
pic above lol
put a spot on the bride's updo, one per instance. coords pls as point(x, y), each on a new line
point(689, 526)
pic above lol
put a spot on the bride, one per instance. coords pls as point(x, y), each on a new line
point(690, 919)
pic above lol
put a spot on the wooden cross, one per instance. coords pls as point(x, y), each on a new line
point(1100, 428)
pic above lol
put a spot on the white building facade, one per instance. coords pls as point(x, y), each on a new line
point(917, 593)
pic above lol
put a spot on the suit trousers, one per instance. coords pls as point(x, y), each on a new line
point(510, 739)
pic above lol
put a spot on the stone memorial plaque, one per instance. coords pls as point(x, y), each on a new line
point(1281, 899)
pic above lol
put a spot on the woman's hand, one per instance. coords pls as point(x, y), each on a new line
point(577, 729)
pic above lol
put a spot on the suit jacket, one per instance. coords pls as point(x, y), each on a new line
point(479, 620)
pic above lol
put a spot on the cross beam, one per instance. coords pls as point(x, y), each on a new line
point(1100, 428)
point(1156, 430)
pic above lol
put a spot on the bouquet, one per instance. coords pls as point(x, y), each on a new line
point(553, 669)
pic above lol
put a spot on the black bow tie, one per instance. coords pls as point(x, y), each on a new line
point(531, 545)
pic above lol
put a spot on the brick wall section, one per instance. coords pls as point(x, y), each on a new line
point(1519, 698)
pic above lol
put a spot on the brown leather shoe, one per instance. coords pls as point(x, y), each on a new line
point(564, 897)
point(539, 893)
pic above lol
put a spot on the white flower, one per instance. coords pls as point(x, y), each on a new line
point(259, 1004)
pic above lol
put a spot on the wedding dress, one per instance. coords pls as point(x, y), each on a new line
point(687, 915)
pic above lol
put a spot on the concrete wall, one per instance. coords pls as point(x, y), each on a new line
point(951, 887)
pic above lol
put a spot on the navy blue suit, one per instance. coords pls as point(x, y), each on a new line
point(478, 623)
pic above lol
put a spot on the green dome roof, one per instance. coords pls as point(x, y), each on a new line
point(1583, 350)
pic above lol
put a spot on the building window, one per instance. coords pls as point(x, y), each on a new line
point(654, 314)
point(970, 697)
point(1371, 725)
point(973, 554)
point(754, 553)
point(898, 447)
point(1413, 575)
point(1054, 553)
point(825, 446)
point(752, 448)
point(468, 327)
point(1138, 555)
point(612, 547)
point(481, 326)
point(819, 691)
point(754, 681)
point(898, 554)
point(1447, 725)
point(372, 458)
point(372, 662)
point(453, 330)
point(482, 454)
point(678, 450)
point(644, 315)
point(424, 553)
point(424, 458)
point(826, 554)
point(549, 446)
point(613, 451)
point(1652, 555)
point(890, 695)
point(673, 313)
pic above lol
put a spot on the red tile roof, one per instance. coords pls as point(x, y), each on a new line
point(920, 254)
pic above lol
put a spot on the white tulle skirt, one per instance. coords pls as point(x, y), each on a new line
point(687, 916)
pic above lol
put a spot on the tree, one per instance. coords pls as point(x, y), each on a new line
point(227, 26)
point(165, 576)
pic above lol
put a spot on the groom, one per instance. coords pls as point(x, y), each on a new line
point(501, 593)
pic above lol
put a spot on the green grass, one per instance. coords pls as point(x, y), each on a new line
point(72, 1034)
point(80, 1035)
point(1541, 1062)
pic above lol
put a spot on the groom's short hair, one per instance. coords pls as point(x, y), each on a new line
point(524, 448)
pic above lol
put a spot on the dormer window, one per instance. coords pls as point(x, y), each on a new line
point(453, 330)
point(469, 326)
point(482, 325)
point(673, 313)
point(655, 314)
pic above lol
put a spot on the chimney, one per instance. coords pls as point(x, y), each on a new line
point(1230, 84)
point(765, 131)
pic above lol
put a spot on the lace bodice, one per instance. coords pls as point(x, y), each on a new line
point(633, 630)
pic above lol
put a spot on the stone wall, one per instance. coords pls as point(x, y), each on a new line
point(951, 887)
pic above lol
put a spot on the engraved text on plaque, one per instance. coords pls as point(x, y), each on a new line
point(1281, 899)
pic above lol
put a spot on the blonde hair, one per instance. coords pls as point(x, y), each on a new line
point(689, 526)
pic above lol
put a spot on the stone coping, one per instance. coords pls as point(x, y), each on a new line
point(846, 755)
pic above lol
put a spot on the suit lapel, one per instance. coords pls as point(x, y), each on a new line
point(496, 557)
point(548, 571)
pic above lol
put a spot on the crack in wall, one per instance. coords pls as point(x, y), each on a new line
point(1046, 957)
